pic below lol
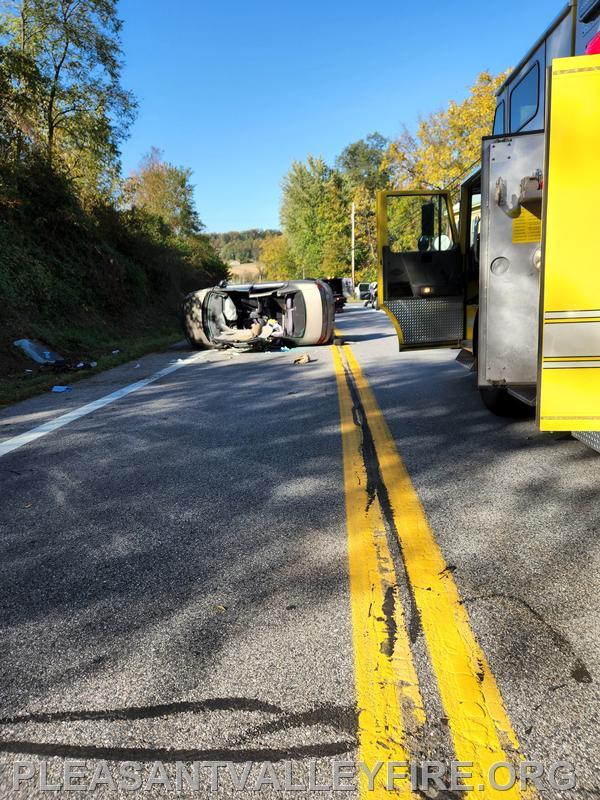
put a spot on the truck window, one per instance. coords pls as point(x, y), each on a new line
point(498, 128)
point(525, 99)
point(419, 223)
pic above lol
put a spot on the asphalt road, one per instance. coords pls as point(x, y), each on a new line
point(174, 580)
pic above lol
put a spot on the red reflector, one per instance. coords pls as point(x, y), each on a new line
point(593, 48)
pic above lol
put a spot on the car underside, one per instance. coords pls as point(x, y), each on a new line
point(240, 317)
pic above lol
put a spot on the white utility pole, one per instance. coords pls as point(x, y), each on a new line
point(353, 241)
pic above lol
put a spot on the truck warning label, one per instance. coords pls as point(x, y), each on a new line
point(527, 228)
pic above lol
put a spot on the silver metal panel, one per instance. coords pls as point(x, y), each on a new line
point(558, 44)
point(509, 295)
point(429, 320)
point(591, 438)
point(502, 97)
point(572, 315)
point(572, 340)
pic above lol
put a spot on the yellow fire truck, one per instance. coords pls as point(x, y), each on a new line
point(517, 281)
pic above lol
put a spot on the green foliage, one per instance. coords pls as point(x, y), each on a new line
point(164, 191)
point(314, 214)
point(317, 199)
point(65, 100)
point(61, 264)
point(316, 209)
point(365, 171)
point(362, 163)
point(71, 256)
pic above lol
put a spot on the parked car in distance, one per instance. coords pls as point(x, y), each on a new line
point(252, 316)
point(361, 292)
point(337, 287)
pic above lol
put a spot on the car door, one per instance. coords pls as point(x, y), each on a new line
point(421, 268)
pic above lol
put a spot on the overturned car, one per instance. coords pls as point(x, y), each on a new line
point(260, 315)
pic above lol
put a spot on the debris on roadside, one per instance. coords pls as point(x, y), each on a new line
point(58, 389)
point(304, 359)
point(49, 360)
point(40, 353)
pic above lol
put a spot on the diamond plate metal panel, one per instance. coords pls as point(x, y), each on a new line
point(425, 321)
point(591, 438)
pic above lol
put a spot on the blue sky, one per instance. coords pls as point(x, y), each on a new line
point(237, 90)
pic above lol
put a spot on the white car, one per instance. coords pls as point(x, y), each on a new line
point(362, 291)
point(251, 316)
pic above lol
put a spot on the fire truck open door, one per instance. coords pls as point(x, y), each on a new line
point(421, 277)
point(569, 364)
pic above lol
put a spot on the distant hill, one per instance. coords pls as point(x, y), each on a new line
point(241, 246)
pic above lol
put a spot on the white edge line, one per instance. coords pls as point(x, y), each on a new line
point(8, 445)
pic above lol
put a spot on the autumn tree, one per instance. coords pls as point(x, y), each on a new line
point(277, 260)
point(165, 191)
point(447, 144)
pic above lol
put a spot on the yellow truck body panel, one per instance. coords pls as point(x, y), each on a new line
point(569, 379)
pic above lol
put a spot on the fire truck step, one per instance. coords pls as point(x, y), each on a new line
point(467, 360)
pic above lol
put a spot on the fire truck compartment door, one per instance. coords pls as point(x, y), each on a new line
point(510, 255)
point(421, 281)
point(569, 383)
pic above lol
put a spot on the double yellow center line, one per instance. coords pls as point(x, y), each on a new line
point(382, 506)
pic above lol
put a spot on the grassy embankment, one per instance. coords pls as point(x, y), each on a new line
point(86, 282)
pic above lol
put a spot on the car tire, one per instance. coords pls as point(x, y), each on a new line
point(502, 404)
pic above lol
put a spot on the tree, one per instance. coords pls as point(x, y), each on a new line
point(165, 191)
point(277, 260)
point(66, 60)
point(364, 170)
point(315, 218)
point(363, 163)
point(447, 144)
